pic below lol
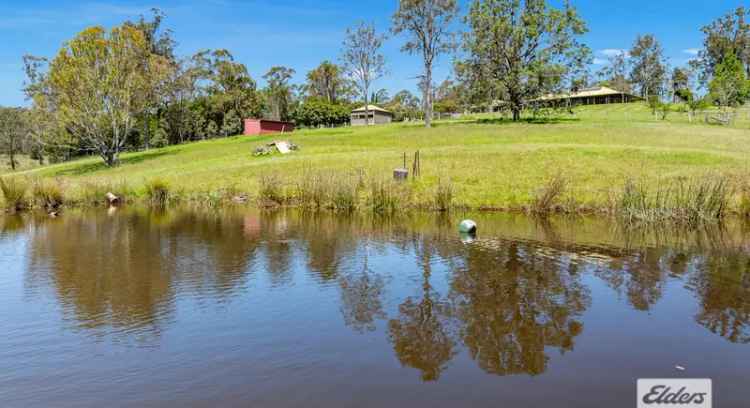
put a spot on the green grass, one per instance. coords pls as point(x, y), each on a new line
point(488, 163)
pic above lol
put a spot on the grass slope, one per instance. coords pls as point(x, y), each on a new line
point(490, 162)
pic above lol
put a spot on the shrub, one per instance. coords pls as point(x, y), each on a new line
point(47, 194)
point(547, 197)
point(14, 192)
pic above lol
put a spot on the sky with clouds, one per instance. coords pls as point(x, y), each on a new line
point(301, 33)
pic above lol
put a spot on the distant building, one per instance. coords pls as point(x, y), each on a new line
point(378, 116)
point(599, 95)
point(254, 127)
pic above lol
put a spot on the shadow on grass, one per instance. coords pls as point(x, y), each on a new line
point(124, 161)
point(533, 121)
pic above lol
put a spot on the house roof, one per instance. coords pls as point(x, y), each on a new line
point(371, 108)
point(583, 93)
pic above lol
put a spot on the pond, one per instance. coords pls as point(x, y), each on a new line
point(133, 308)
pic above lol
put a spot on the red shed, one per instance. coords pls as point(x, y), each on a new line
point(254, 127)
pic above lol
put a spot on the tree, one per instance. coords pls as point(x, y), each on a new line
point(327, 82)
point(428, 23)
point(680, 84)
point(362, 59)
point(278, 92)
point(98, 85)
point(729, 86)
point(727, 35)
point(615, 73)
point(527, 48)
point(13, 131)
point(405, 106)
point(649, 69)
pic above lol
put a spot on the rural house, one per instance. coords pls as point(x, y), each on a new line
point(599, 95)
point(378, 116)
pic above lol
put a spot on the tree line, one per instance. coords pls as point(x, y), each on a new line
point(108, 91)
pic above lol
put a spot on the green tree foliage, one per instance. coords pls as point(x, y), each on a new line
point(649, 69)
point(527, 48)
point(728, 35)
point(405, 106)
point(319, 112)
point(681, 84)
point(13, 133)
point(615, 73)
point(278, 93)
point(327, 82)
point(730, 86)
point(427, 23)
point(99, 84)
point(362, 59)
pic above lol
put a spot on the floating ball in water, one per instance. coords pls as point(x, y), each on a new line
point(467, 226)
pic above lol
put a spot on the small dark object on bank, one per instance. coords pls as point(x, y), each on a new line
point(400, 174)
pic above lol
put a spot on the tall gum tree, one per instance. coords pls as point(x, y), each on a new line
point(526, 48)
point(362, 59)
point(427, 23)
point(99, 84)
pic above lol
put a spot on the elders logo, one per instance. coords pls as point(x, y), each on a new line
point(674, 393)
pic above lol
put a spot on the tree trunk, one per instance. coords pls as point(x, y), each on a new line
point(516, 114)
point(427, 95)
point(12, 155)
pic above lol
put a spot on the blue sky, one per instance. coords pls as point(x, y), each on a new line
point(301, 33)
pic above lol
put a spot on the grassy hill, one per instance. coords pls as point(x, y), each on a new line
point(490, 162)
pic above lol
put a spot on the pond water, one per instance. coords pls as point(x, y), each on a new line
point(286, 309)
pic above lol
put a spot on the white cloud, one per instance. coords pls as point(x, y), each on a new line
point(692, 51)
point(612, 52)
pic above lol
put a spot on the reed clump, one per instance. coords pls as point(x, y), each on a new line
point(157, 192)
point(14, 192)
point(443, 199)
point(47, 194)
point(547, 198)
point(687, 201)
point(388, 196)
point(271, 190)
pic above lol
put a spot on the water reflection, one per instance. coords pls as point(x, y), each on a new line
point(512, 296)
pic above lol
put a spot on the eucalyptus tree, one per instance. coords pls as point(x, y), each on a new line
point(278, 92)
point(97, 86)
point(615, 72)
point(13, 131)
point(728, 35)
point(526, 48)
point(649, 68)
point(327, 82)
point(363, 60)
point(427, 23)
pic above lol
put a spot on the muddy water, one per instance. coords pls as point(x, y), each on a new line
point(140, 309)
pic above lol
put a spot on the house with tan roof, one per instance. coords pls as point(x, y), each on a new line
point(599, 95)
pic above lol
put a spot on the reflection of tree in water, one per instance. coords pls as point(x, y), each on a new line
point(513, 302)
point(640, 276)
point(122, 272)
point(361, 299)
point(723, 288)
point(419, 335)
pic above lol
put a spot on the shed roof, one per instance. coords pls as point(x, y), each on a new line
point(371, 108)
